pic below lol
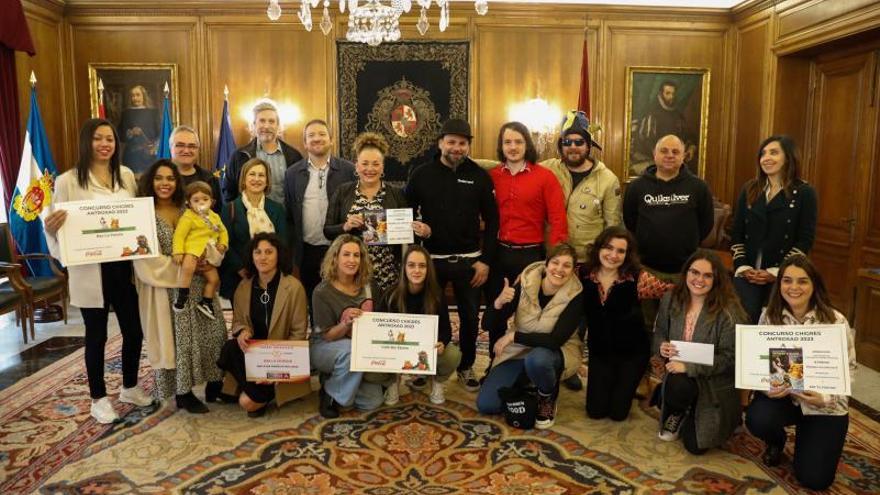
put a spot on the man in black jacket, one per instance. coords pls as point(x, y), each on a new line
point(452, 194)
point(308, 186)
point(267, 146)
point(184, 143)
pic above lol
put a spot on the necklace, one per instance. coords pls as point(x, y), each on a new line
point(264, 299)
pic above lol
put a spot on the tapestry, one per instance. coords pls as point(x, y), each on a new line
point(403, 91)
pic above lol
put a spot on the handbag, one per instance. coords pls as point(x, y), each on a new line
point(520, 406)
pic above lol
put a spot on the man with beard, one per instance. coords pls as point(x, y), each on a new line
point(452, 194)
point(267, 146)
point(308, 186)
point(663, 118)
point(590, 189)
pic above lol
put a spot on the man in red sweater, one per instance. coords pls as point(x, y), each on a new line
point(528, 197)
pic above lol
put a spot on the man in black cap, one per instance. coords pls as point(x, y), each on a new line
point(452, 194)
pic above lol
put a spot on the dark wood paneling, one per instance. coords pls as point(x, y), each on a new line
point(46, 33)
point(750, 93)
point(867, 321)
point(792, 96)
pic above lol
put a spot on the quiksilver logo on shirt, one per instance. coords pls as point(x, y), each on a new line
point(465, 181)
point(666, 200)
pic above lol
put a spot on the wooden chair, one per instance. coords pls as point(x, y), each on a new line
point(42, 290)
point(14, 296)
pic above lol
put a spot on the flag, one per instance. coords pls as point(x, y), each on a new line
point(225, 146)
point(164, 145)
point(584, 94)
point(102, 112)
point(33, 191)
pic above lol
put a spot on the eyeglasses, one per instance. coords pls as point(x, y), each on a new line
point(321, 176)
point(574, 142)
point(186, 146)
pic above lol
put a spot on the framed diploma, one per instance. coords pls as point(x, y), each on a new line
point(800, 357)
point(98, 231)
point(277, 361)
point(394, 343)
point(393, 226)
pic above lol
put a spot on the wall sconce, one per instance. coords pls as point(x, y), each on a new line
point(541, 118)
point(288, 113)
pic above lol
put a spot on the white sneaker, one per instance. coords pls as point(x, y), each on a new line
point(136, 396)
point(438, 392)
point(670, 428)
point(392, 394)
point(103, 412)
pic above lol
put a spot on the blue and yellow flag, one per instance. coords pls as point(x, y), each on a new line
point(33, 191)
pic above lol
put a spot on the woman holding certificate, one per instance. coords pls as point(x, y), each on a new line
point(418, 292)
point(270, 304)
point(250, 213)
point(94, 288)
point(355, 206)
point(344, 294)
point(182, 346)
point(619, 347)
point(775, 218)
point(699, 401)
point(821, 421)
point(543, 343)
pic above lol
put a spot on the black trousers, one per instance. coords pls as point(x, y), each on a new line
point(467, 298)
point(310, 269)
point(680, 394)
point(120, 294)
point(509, 263)
point(232, 361)
point(818, 443)
point(752, 296)
point(612, 381)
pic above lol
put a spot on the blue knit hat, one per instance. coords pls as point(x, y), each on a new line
point(577, 122)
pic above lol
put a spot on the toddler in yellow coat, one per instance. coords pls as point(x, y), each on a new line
point(199, 232)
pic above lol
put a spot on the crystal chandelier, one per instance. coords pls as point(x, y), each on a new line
point(376, 20)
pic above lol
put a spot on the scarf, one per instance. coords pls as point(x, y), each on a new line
point(258, 220)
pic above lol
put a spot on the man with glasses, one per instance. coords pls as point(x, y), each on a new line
point(184, 143)
point(308, 185)
point(590, 189)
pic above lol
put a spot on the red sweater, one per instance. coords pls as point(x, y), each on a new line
point(526, 201)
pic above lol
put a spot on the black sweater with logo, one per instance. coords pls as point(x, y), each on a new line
point(668, 218)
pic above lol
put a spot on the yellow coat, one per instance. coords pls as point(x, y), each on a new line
point(192, 234)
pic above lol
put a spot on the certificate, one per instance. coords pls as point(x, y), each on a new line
point(98, 231)
point(694, 352)
point(394, 343)
point(277, 361)
point(393, 226)
point(820, 355)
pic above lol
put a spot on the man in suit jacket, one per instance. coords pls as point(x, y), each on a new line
point(308, 186)
point(267, 146)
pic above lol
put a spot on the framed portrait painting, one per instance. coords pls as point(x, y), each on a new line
point(661, 101)
point(133, 96)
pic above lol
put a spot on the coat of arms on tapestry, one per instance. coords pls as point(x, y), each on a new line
point(404, 91)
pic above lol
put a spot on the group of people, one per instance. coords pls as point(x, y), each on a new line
point(289, 231)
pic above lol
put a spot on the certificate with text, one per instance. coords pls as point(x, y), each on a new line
point(98, 231)
point(816, 357)
point(284, 361)
point(392, 226)
point(395, 343)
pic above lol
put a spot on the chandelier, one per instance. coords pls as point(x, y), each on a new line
point(376, 20)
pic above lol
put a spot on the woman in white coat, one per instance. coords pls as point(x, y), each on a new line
point(96, 287)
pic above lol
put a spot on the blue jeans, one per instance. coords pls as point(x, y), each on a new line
point(542, 366)
point(345, 386)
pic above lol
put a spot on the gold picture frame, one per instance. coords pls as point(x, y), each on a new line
point(133, 97)
point(661, 101)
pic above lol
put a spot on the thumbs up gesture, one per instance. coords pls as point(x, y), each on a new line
point(506, 294)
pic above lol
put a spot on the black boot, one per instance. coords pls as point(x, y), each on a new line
point(772, 455)
point(191, 403)
point(212, 391)
point(326, 405)
point(573, 382)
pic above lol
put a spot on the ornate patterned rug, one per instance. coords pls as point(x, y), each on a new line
point(49, 444)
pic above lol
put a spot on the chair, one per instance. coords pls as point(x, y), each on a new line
point(41, 289)
point(14, 296)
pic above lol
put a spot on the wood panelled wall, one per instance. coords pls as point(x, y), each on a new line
point(519, 51)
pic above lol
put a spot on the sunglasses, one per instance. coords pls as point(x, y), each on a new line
point(574, 142)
